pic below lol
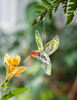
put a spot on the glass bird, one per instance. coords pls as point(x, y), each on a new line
point(43, 53)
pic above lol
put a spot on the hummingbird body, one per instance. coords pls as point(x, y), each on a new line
point(42, 54)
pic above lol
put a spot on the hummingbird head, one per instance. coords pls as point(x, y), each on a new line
point(34, 53)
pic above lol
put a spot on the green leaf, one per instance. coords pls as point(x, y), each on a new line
point(64, 4)
point(56, 5)
point(40, 7)
point(73, 0)
point(46, 3)
point(69, 17)
point(3, 85)
point(37, 11)
point(40, 18)
point(50, 13)
point(43, 14)
point(13, 93)
point(71, 5)
point(52, 0)
point(34, 22)
point(71, 8)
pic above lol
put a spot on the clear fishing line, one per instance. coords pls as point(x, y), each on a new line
point(44, 32)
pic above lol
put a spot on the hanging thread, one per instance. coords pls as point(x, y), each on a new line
point(44, 33)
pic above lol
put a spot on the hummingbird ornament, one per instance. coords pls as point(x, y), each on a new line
point(43, 53)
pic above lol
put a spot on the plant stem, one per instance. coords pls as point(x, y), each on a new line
point(4, 89)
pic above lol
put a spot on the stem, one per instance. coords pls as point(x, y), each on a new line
point(3, 91)
point(5, 83)
point(4, 88)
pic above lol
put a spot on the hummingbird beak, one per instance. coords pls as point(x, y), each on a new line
point(33, 54)
point(27, 59)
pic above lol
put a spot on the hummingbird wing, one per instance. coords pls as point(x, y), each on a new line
point(39, 45)
point(52, 46)
point(39, 41)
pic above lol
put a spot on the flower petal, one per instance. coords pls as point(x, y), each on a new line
point(18, 58)
point(19, 70)
point(16, 74)
point(7, 56)
point(14, 64)
point(8, 68)
point(15, 61)
point(7, 59)
point(7, 62)
point(12, 57)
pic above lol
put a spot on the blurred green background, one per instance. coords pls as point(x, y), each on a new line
point(62, 83)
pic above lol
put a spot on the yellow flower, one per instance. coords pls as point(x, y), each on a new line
point(11, 64)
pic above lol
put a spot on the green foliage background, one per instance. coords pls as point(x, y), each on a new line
point(68, 6)
point(64, 60)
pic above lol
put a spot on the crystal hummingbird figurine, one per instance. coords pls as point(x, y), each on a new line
point(43, 53)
